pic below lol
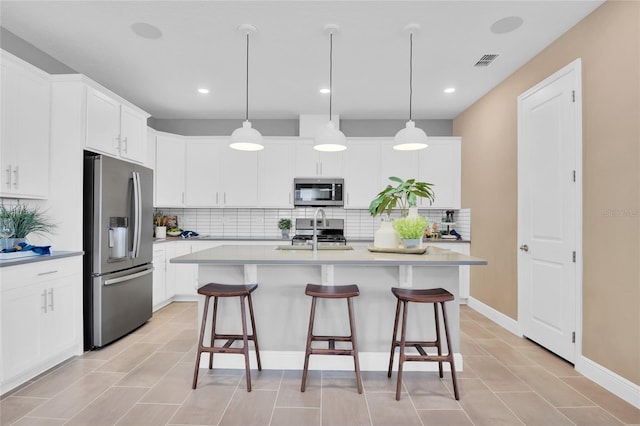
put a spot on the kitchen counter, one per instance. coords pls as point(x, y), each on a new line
point(282, 308)
point(288, 241)
point(7, 261)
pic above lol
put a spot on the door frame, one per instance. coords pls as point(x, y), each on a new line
point(574, 67)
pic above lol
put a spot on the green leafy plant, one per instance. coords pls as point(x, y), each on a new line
point(404, 195)
point(284, 223)
point(26, 220)
point(411, 227)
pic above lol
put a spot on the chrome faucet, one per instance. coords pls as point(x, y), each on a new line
point(314, 241)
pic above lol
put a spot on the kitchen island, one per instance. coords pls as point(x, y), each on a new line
point(282, 308)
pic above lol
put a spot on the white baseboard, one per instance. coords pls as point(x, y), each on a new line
point(609, 380)
point(498, 317)
point(294, 360)
point(595, 372)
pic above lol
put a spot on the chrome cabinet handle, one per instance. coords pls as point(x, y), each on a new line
point(51, 299)
point(524, 247)
point(216, 198)
point(50, 272)
point(9, 176)
point(16, 175)
point(125, 145)
point(116, 143)
point(44, 299)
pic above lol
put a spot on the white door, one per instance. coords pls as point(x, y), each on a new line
point(103, 123)
point(169, 171)
point(361, 174)
point(549, 147)
point(275, 174)
point(203, 185)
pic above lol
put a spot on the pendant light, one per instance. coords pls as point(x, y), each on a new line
point(410, 138)
point(328, 137)
point(246, 138)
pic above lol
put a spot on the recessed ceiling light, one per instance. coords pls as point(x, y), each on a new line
point(449, 90)
point(145, 30)
point(203, 90)
point(325, 91)
point(506, 25)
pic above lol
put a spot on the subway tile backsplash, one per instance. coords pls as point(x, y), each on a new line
point(263, 223)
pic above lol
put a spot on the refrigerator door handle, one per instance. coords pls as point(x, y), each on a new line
point(128, 277)
point(136, 226)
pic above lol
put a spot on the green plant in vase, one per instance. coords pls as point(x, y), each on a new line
point(404, 195)
point(284, 225)
point(25, 220)
point(411, 229)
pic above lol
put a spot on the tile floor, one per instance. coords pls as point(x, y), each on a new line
point(145, 379)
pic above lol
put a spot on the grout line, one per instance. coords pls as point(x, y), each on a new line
point(275, 401)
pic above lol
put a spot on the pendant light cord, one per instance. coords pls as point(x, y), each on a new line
point(410, 73)
point(330, 72)
point(246, 109)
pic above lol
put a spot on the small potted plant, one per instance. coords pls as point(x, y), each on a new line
point(411, 229)
point(21, 220)
point(284, 225)
point(160, 222)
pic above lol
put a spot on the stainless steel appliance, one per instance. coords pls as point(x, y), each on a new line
point(318, 192)
point(331, 235)
point(118, 238)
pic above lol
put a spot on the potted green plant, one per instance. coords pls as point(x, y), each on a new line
point(284, 225)
point(404, 195)
point(21, 220)
point(411, 229)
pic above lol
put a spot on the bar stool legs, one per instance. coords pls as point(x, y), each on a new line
point(243, 292)
point(434, 296)
point(332, 292)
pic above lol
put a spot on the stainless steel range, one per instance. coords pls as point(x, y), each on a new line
point(332, 234)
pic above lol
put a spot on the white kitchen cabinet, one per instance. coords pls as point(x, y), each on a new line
point(169, 176)
point(239, 177)
point(310, 163)
point(402, 164)
point(181, 278)
point(114, 128)
point(160, 297)
point(440, 164)
point(203, 185)
point(41, 317)
point(275, 174)
point(150, 157)
point(25, 130)
point(361, 174)
point(464, 277)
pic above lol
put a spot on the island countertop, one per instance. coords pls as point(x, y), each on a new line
point(270, 255)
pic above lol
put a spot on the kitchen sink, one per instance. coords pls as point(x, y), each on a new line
point(308, 247)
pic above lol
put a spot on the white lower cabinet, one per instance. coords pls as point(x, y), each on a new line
point(41, 317)
point(462, 248)
point(159, 293)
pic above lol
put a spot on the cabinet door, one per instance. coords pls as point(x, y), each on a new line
point(203, 187)
point(331, 163)
point(440, 165)
point(306, 159)
point(239, 177)
point(402, 164)
point(133, 134)
point(22, 308)
point(181, 278)
point(275, 174)
point(170, 171)
point(25, 130)
point(61, 325)
point(361, 177)
point(103, 123)
point(159, 275)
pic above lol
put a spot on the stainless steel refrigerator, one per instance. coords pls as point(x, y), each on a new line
point(118, 239)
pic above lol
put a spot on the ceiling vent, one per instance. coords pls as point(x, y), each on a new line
point(486, 60)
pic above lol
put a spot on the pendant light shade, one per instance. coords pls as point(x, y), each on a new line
point(329, 138)
point(246, 138)
point(411, 138)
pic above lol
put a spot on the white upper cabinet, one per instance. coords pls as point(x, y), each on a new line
point(275, 174)
point(239, 177)
point(169, 175)
point(440, 164)
point(361, 174)
point(114, 128)
point(203, 186)
point(310, 163)
point(402, 164)
point(25, 129)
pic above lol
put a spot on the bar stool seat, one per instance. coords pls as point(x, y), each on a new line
point(217, 290)
point(332, 292)
point(435, 296)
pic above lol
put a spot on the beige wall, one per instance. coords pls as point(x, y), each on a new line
point(608, 41)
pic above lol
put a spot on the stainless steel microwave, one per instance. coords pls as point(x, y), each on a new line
point(318, 192)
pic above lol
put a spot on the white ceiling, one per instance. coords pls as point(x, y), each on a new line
point(289, 55)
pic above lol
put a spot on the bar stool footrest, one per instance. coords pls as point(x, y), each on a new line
point(435, 358)
point(329, 351)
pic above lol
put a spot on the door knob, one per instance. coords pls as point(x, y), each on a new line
point(524, 247)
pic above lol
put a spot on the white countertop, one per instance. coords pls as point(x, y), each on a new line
point(269, 255)
point(20, 259)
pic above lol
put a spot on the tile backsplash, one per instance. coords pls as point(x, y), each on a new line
point(263, 223)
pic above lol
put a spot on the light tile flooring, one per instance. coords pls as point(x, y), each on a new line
point(145, 379)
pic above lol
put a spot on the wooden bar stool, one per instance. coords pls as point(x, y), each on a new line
point(435, 296)
point(226, 290)
point(332, 292)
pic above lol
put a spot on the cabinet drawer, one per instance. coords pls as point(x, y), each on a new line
point(37, 272)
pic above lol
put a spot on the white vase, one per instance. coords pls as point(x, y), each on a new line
point(412, 242)
point(386, 236)
point(161, 232)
